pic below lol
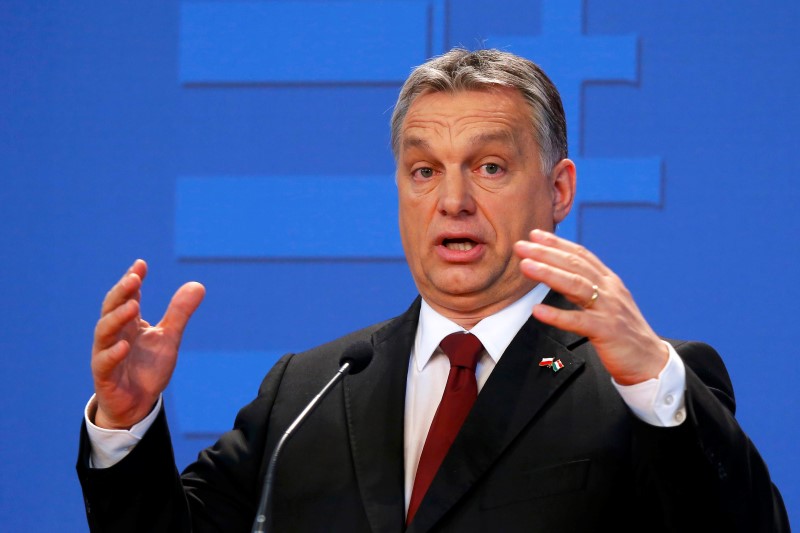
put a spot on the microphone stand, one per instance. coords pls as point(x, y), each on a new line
point(260, 523)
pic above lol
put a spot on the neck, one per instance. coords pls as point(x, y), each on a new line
point(467, 316)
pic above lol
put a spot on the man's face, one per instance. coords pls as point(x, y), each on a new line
point(470, 185)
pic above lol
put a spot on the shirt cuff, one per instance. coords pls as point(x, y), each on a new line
point(110, 446)
point(659, 401)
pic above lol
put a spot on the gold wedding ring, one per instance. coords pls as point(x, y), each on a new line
point(593, 299)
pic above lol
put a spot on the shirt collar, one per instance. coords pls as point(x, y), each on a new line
point(495, 331)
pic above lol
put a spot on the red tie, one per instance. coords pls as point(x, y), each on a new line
point(463, 350)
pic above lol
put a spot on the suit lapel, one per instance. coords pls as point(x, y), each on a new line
point(516, 391)
point(375, 405)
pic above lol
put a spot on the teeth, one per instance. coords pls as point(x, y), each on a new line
point(460, 246)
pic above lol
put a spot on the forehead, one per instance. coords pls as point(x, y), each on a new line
point(498, 112)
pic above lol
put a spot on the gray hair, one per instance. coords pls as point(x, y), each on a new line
point(460, 70)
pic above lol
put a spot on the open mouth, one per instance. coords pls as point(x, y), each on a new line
point(461, 245)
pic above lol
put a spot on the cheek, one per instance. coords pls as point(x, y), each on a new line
point(411, 226)
point(505, 216)
point(413, 212)
point(532, 208)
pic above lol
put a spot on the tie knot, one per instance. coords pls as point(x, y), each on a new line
point(463, 349)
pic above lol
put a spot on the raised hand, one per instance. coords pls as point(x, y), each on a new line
point(132, 361)
point(607, 314)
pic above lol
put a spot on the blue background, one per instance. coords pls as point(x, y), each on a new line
point(119, 122)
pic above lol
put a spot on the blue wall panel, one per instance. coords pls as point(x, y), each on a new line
point(245, 145)
point(285, 217)
point(307, 41)
point(226, 382)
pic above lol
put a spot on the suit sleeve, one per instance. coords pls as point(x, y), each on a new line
point(144, 491)
point(706, 474)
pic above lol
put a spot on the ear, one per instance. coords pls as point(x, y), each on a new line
point(562, 181)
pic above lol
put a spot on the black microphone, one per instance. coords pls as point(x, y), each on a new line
point(354, 359)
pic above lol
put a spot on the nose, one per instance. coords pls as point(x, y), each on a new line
point(455, 195)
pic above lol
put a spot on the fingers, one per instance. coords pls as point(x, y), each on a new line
point(555, 258)
point(120, 307)
point(581, 323)
point(129, 286)
point(564, 266)
point(139, 267)
point(105, 361)
point(111, 325)
point(183, 304)
point(569, 249)
point(573, 286)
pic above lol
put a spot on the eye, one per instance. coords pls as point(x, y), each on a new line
point(424, 173)
point(490, 169)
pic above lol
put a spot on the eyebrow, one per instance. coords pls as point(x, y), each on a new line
point(504, 136)
point(507, 138)
point(415, 142)
point(481, 138)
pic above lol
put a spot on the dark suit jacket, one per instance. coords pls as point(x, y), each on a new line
point(540, 451)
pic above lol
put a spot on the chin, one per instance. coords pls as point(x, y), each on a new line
point(461, 289)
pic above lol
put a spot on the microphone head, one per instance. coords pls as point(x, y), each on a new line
point(358, 355)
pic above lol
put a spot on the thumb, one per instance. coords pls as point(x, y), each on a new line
point(180, 309)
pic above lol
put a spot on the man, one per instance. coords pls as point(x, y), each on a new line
point(585, 420)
